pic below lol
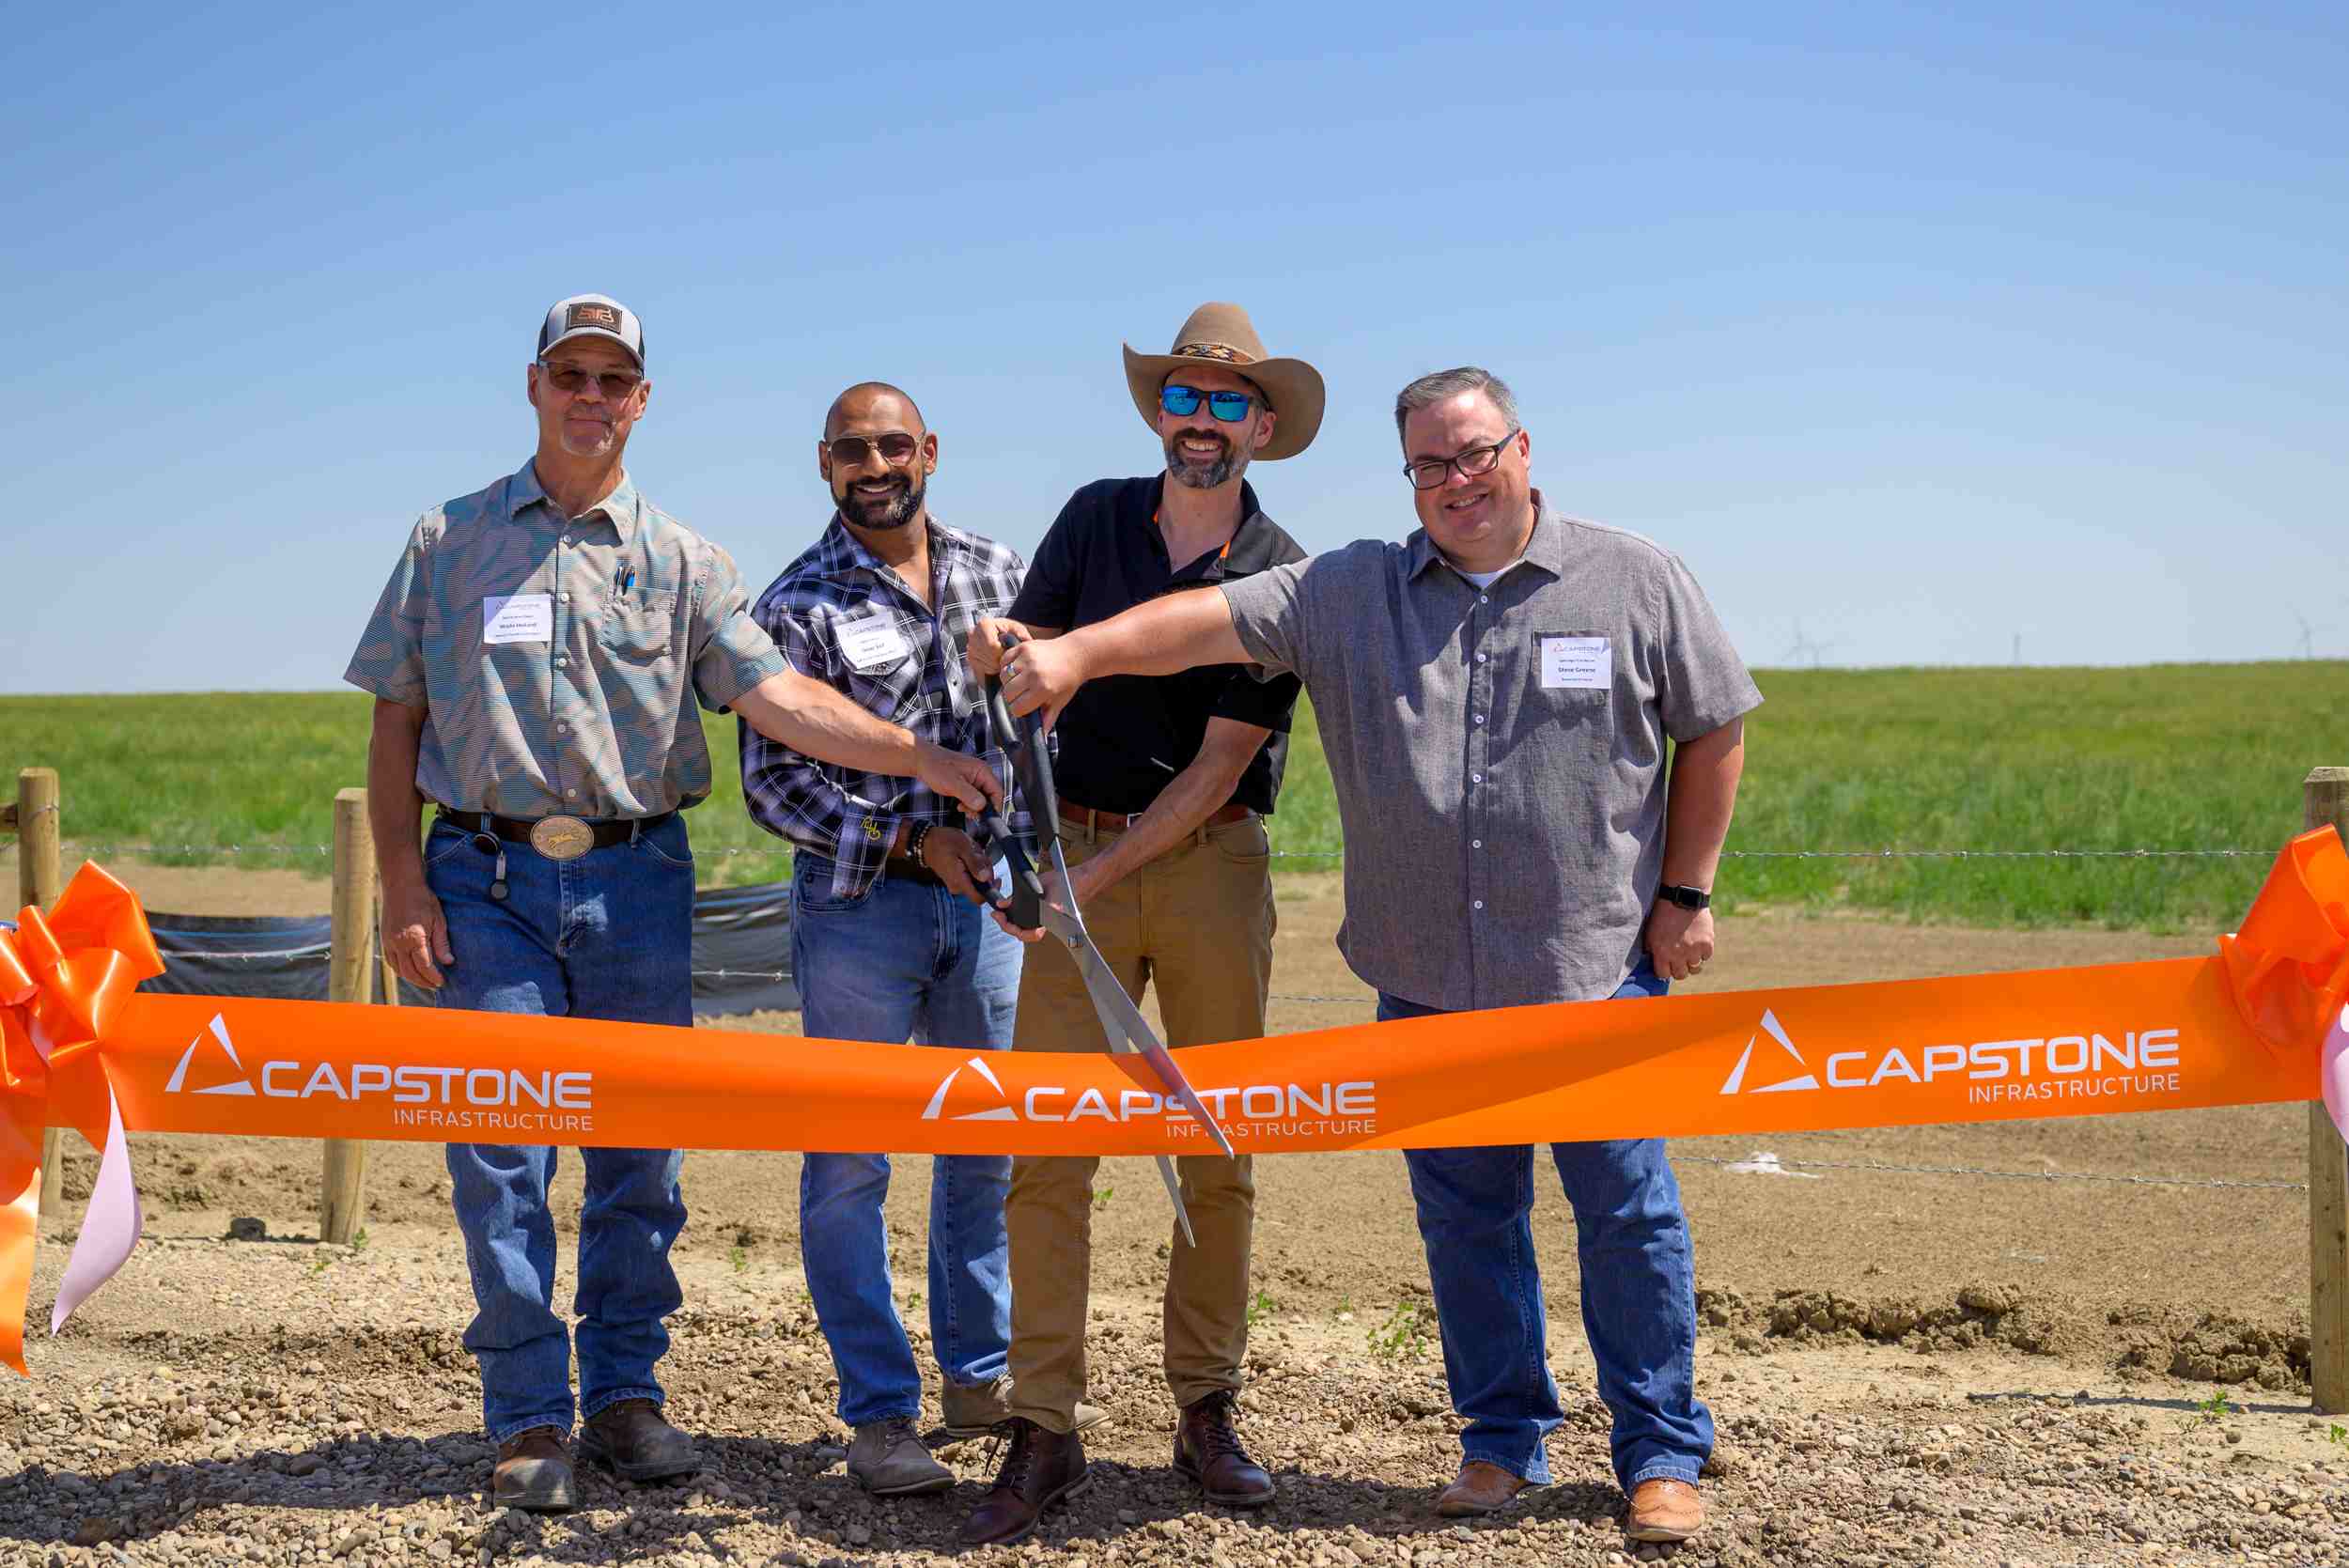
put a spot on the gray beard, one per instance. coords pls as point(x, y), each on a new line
point(1204, 476)
point(895, 515)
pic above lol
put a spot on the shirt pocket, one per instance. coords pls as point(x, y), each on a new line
point(640, 629)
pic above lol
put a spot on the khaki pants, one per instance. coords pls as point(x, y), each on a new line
point(1198, 922)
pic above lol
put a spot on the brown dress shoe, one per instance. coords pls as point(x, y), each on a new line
point(1042, 1469)
point(1208, 1450)
point(632, 1439)
point(1663, 1509)
point(1479, 1488)
point(533, 1473)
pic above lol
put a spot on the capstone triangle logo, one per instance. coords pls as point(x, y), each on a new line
point(1004, 1112)
point(1770, 1026)
point(240, 1086)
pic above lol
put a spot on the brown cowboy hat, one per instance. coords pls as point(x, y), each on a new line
point(1222, 334)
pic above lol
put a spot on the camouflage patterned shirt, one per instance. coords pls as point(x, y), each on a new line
point(551, 654)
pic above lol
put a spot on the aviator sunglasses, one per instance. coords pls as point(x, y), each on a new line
point(897, 449)
point(1183, 401)
point(614, 385)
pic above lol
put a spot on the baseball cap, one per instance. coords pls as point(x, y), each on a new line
point(592, 315)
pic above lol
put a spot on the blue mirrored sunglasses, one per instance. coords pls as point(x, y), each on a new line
point(1183, 401)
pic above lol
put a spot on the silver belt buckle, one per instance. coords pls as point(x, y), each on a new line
point(561, 838)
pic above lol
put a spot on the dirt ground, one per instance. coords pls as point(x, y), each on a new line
point(1906, 1367)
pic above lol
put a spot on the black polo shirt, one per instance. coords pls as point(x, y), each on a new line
point(1123, 737)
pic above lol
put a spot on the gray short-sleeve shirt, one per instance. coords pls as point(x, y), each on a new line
point(557, 657)
point(1498, 753)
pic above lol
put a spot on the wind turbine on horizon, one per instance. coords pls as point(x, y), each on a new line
point(1802, 645)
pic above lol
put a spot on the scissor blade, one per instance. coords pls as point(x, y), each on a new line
point(1118, 1013)
point(1174, 1191)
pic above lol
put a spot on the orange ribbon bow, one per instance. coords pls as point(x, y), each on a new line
point(64, 978)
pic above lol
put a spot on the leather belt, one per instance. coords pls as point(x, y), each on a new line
point(599, 835)
point(905, 871)
point(1117, 822)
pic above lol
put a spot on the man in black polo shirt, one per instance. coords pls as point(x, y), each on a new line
point(1164, 785)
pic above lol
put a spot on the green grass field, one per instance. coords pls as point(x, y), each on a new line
point(2170, 758)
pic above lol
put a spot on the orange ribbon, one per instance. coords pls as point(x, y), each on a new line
point(2288, 968)
point(2244, 1026)
point(64, 979)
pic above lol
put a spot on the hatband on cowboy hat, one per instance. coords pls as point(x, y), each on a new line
point(1220, 334)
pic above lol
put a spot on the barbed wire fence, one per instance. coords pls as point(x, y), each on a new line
point(173, 851)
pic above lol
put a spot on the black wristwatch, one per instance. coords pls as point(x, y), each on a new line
point(1687, 898)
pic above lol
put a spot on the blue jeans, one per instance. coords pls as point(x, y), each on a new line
point(606, 936)
point(1638, 1293)
point(903, 962)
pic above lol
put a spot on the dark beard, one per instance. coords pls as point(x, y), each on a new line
point(895, 512)
point(1196, 476)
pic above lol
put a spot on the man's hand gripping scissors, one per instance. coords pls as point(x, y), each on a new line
point(1029, 907)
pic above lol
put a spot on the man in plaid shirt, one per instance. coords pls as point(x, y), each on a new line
point(890, 936)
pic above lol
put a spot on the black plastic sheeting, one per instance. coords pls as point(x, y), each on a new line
point(742, 953)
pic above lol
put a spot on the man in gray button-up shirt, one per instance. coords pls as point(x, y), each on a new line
point(536, 658)
point(1496, 695)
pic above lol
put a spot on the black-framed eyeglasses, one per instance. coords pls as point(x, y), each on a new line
point(897, 449)
point(1428, 474)
point(614, 384)
point(1183, 401)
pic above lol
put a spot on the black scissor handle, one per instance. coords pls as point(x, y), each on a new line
point(1031, 771)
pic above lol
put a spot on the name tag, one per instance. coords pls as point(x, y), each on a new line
point(1577, 664)
point(873, 641)
point(518, 618)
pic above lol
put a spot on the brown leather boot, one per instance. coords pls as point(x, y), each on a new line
point(533, 1473)
point(1042, 1469)
point(1663, 1509)
point(1480, 1487)
point(1208, 1450)
point(633, 1440)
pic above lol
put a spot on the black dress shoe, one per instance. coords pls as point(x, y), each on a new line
point(1042, 1469)
point(635, 1443)
point(1208, 1450)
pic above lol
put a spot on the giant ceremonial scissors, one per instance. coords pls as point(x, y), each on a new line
point(1028, 908)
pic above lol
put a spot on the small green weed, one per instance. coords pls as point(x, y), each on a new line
point(2337, 1433)
point(914, 1300)
point(2212, 1410)
point(1101, 1196)
point(1402, 1337)
point(358, 1239)
point(1261, 1307)
point(739, 1256)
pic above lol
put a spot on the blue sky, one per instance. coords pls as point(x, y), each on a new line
point(1917, 329)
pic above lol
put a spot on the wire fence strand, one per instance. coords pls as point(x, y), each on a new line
point(161, 852)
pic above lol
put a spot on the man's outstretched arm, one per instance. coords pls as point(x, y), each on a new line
point(808, 716)
point(1164, 637)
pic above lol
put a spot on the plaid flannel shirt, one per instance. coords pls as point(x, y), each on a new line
point(921, 681)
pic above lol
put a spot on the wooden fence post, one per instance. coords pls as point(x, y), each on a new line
point(342, 1199)
point(2325, 795)
point(40, 878)
point(390, 975)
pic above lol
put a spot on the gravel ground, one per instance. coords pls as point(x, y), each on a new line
point(205, 1416)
